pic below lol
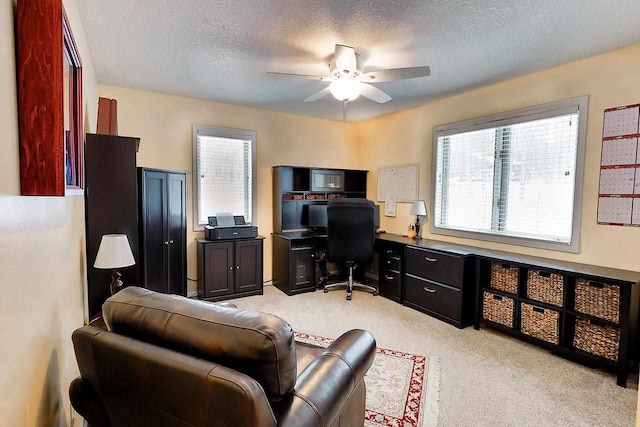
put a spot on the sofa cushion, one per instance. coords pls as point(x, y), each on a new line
point(258, 344)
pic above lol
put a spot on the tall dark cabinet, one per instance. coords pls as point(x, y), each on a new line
point(163, 230)
point(111, 206)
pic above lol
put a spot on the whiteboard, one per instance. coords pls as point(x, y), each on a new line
point(399, 181)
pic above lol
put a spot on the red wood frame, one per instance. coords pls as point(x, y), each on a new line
point(43, 37)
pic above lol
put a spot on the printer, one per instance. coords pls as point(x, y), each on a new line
point(225, 226)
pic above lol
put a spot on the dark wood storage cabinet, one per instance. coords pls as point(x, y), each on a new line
point(439, 283)
point(584, 313)
point(294, 262)
point(390, 269)
point(163, 230)
point(111, 206)
point(229, 268)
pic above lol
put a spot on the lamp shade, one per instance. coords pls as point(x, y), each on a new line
point(114, 252)
point(418, 208)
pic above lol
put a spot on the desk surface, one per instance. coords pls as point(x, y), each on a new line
point(543, 263)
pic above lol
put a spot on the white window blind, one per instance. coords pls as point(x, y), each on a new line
point(513, 177)
point(223, 173)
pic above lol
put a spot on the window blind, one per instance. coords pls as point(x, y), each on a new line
point(515, 179)
point(224, 173)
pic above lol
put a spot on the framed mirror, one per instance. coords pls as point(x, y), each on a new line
point(72, 108)
point(50, 111)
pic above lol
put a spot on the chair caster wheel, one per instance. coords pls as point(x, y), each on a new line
point(348, 297)
point(326, 291)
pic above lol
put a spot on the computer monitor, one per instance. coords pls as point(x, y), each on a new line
point(317, 216)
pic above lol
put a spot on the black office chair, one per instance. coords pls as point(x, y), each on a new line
point(351, 238)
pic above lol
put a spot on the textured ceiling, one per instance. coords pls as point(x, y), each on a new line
point(221, 50)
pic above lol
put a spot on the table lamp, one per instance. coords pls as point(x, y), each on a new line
point(114, 253)
point(418, 208)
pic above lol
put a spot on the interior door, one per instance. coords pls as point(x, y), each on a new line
point(219, 269)
point(248, 266)
point(155, 243)
point(177, 230)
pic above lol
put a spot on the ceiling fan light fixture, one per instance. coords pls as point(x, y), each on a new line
point(345, 89)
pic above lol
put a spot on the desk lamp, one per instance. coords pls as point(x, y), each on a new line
point(418, 208)
point(114, 253)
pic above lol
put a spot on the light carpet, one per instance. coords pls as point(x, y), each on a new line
point(402, 388)
point(486, 378)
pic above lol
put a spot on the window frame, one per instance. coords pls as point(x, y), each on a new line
point(221, 132)
point(522, 115)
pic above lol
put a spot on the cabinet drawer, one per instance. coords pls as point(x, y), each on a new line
point(390, 284)
point(390, 261)
point(435, 266)
point(440, 299)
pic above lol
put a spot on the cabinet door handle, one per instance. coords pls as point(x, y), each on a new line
point(388, 277)
point(433, 291)
point(430, 259)
point(231, 267)
point(171, 241)
point(166, 243)
point(237, 267)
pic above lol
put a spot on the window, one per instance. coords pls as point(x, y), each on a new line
point(223, 173)
point(514, 177)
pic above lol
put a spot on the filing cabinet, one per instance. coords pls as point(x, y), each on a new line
point(390, 277)
point(439, 284)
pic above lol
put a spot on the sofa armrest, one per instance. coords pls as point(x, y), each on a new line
point(87, 403)
point(331, 384)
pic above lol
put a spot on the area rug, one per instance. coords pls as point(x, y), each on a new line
point(402, 388)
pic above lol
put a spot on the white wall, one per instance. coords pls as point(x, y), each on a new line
point(42, 265)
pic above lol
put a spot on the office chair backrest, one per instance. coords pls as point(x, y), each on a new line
point(351, 230)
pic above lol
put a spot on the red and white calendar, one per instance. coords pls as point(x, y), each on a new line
point(619, 193)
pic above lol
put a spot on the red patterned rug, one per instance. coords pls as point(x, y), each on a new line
point(402, 388)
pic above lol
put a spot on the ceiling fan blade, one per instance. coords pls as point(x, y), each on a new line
point(345, 58)
point(396, 74)
point(374, 94)
point(324, 92)
point(302, 76)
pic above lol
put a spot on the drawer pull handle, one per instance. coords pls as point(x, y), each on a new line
point(596, 285)
point(544, 274)
point(388, 277)
point(538, 309)
point(433, 291)
point(497, 297)
point(430, 259)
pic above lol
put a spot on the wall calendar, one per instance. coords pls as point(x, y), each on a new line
point(619, 191)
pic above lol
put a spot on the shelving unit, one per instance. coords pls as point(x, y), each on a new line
point(565, 346)
point(294, 189)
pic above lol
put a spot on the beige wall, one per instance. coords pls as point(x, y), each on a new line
point(42, 273)
point(163, 122)
point(610, 80)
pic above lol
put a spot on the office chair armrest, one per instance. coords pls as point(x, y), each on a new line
point(332, 386)
point(86, 402)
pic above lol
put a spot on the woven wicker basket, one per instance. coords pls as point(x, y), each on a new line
point(546, 287)
point(598, 299)
point(601, 340)
point(540, 323)
point(504, 277)
point(498, 309)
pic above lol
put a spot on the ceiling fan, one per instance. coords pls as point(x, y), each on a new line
point(349, 81)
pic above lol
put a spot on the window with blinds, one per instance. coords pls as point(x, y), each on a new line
point(224, 173)
point(514, 177)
